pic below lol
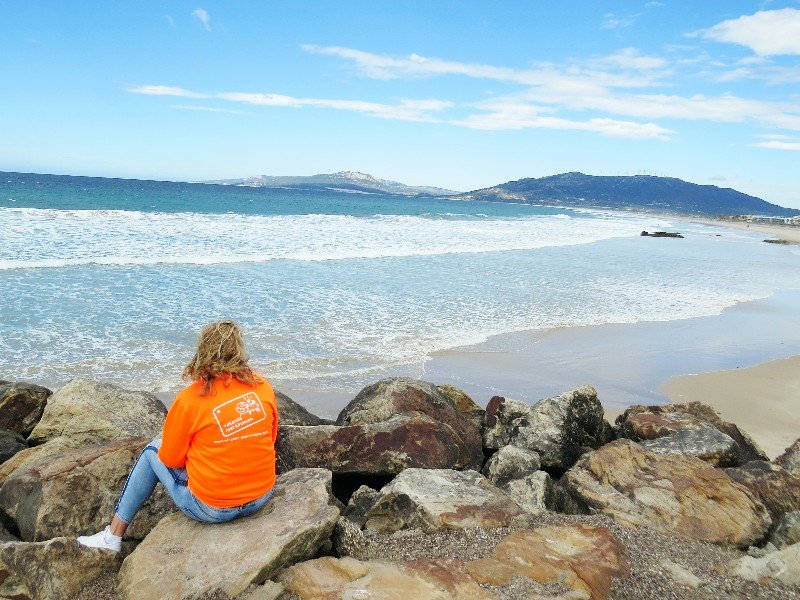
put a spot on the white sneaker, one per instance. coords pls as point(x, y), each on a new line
point(102, 539)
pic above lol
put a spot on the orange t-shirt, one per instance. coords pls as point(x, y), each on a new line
point(226, 441)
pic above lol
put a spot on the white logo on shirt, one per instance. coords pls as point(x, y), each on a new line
point(240, 413)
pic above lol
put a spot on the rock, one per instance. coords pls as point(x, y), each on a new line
point(677, 496)
point(383, 448)
point(501, 414)
point(30, 456)
point(783, 566)
point(435, 499)
point(230, 557)
point(534, 493)
point(681, 575)
point(402, 396)
point(5, 536)
point(786, 531)
point(291, 413)
point(510, 463)
point(777, 489)
point(790, 459)
point(269, 591)
point(703, 442)
point(21, 406)
point(463, 404)
point(580, 557)
point(559, 429)
point(348, 538)
point(53, 570)
point(359, 504)
point(10, 443)
point(74, 493)
point(89, 412)
point(651, 422)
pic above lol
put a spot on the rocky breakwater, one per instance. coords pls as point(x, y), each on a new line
point(442, 500)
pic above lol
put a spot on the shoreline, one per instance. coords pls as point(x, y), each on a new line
point(786, 233)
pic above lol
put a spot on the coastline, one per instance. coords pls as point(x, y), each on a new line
point(787, 233)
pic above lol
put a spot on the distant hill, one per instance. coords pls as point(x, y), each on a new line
point(345, 181)
point(638, 192)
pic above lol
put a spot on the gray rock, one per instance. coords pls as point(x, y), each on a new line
point(182, 558)
point(21, 406)
point(500, 421)
point(790, 459)
point(10, 443)
point(776, 488)
point(786, 530)
point(5, 536)
point(35, 454)
point(510, 463)
point(681, 575)
point(74, 493)
point(534, 493)
point(89, 412)
point(435, 499)
point(704, 442)
point(53, 570)
point(348, 538)
point(359, 504)
point(559, 429)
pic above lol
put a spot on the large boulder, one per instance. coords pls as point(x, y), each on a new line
point(75, 493)
point(559, 429)
point(10, 443)
point(534, 493)
point(777, 489)
point(646, 423)
point(783, 566)
point(703, 442)
point(677, 496)
point(580, 557)
point(29, 456)
point(790, 459)
point(89, 412)
point(382, 448)
point(464, 404)
point(182, 558)
point(292, 413)
point(435, 499)
point(21, 406)
point(515, 471)
point(53, 570)
point(422, 400)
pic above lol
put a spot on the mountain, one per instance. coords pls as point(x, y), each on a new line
point(638, 192)
point(343, 181)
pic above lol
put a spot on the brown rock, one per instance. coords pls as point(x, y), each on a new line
point(434, 499)
point(30, 456)
point(10, 444)
point(777, 489)
point(89, 412)
point(419, 399)
point(292, 413)
point(54, 570)
point(581, 557)
point(182, 558)
point(74, 493)
point(677, 496)
point(790, 459)
point(21, 406)
point(382, 448)
point(463, 404)
point(652, 422)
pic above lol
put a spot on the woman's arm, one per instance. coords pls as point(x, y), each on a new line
point(175, 436)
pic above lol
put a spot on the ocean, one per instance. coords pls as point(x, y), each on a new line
point(112, 279)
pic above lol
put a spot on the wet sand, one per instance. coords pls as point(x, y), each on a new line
point(763, 399)
point(789, 233)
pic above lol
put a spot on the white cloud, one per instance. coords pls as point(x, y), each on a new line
point(164, 90)
point(776, 145)
point(204, 17)
point(612, 21)
point(404, 110)
point(767, 32)
point(207, 109)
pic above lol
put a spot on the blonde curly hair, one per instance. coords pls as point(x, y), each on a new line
point(220, 353)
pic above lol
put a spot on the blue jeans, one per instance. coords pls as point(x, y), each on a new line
point(149, 470)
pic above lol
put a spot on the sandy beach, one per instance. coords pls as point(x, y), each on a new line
point(763, 399)
point(788, 233)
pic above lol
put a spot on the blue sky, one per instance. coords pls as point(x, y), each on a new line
point(458, 94)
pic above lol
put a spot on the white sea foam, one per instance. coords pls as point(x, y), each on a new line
point(41, 238)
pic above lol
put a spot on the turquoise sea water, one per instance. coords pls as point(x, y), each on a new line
point(111, 279)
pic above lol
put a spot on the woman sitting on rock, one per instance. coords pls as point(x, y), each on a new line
point(216, 455)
